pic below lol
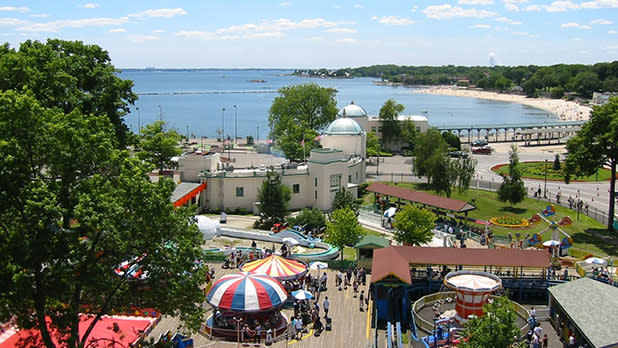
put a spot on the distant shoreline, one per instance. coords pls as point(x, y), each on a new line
point(565, 110)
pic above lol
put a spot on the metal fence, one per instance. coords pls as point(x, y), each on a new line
point(487, 185)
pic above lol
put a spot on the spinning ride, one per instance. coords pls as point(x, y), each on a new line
point(277, 267)
point(472, 290)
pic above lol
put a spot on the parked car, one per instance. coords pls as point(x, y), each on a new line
point(479, 142)
point(458, 154)
point(483, 150)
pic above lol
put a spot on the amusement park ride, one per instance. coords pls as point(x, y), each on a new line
point(558, 246)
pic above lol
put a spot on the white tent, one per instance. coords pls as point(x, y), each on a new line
point(209, 228)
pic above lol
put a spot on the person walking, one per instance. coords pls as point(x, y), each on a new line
point(361, 300)
point(326, 305)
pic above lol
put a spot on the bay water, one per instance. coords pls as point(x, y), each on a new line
point(193, 101)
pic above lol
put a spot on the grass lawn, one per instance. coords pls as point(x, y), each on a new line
point(536, 170)
point(589, 236)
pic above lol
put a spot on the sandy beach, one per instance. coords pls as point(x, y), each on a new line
point(565, 110)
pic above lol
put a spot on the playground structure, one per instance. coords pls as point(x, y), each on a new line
point(472, 289)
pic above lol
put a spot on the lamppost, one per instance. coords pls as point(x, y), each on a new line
point(139, 124)
point(237, 321)
point(222, 127)
point(545, 187)
point(257, 136)
point(235, 124)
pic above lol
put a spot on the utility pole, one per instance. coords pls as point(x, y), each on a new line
point(139, 124)
point(545, 187)
point(160, 113)
point(223, 127)
point(235, 125)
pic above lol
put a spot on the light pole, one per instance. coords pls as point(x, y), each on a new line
point(222, 127)
point(545, 187)
point(257, 136)
point(139, 124)
point(235, 124)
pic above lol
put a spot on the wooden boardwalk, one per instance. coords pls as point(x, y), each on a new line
point(349, 325)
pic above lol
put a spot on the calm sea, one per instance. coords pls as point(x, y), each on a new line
point(191, 101)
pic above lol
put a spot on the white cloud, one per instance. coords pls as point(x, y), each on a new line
point(507, 20)
point(574, 25)
point(55, 26)
point(447, 11)
point(358, 6)
point(481, 26)
point(285, 3)
point(162, 12)
point(340, 31)
point(158, 31)
point(348, 40)
point(533, 8)
point(600, 4)
point(39, 15)
point(393, 20)
point(118, 30)
point(12, 21)
point(560, 6)
point(142, 38)
point(89, 5)
point(611, 32)
point(601, 21)
point(14, 9)
point(513, 5)
point(475, 2)
point(266, 29)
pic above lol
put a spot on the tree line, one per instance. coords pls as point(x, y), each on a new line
point(555, 80)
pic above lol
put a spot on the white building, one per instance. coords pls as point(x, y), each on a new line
point(373, 124)
point(340, 163)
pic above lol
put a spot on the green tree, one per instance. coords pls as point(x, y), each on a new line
point(464, 172)
point(512, 189)
point(596, 145)
point(408, 133)
point(343, 229)
point(389, 113)
point(557, 162)
point(158, 146)
point(452, 140)
point(311, 218)
point(57, 168)
point(496, 328)
point(413, 225)
point(274, 198)
point(443, 175)
point(429, 151)
point(373, 144)
point(344, 199)
point(297, 114)
point(585, 83)
point(69, 75)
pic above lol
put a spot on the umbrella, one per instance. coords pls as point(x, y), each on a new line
point(302, 295)
point(595, 260)
point(247, 292)
point(390, 212)
point(289, 240)
point(277, 267)
point(318, 265)
point(551, 243)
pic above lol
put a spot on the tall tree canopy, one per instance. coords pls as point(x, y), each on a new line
point(343, 229)
point(298, 114)
point(389, 113)
point(72, 209)
point(495, 328)
point(429, 151)
point(274, 198)
point(596, 145)
point(69, 75)
point(158, 146)
point(413, 225)
point(512, 189)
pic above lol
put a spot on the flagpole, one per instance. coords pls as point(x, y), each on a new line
point(304, 157)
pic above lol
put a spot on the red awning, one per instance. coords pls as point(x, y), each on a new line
point(187, 197)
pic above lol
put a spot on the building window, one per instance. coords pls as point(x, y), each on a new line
point(335, 180)
point(356, 175)
point(315, 182)
point(350, 178)
point(296, 188)
point(373, 129)
point(240, 192)
point(418, 129)
point(379, 129)
point(315, 194)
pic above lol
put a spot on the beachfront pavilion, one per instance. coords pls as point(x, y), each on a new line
point(589, 309)
point(441, 204)
point(402, 274)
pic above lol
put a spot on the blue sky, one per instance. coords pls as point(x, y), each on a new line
point(323, 33)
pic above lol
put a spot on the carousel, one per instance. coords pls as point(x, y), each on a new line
point(280, 268)
point(246, 303)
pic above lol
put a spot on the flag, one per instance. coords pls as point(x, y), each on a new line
point(302, 142)
point(319, 137)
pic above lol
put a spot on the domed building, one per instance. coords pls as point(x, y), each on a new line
point(355, 112)
point(346, 134)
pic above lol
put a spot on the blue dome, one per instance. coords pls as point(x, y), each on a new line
point(352, 110)
point(344, 126)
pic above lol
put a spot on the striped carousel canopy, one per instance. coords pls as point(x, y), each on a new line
point(246, 292)
point(276, 267)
